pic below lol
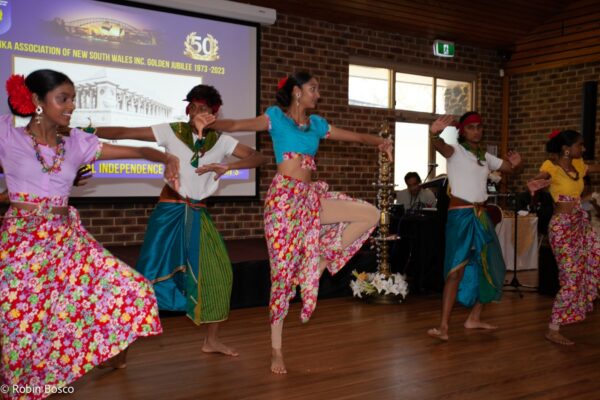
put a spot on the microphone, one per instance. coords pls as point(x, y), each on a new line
point(432, 165)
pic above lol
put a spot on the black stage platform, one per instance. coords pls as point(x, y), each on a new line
point(251, 280)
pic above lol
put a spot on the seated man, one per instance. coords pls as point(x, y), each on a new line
point(414, 197)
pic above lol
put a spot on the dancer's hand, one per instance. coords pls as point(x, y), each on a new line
point(514, 159)
point(387, 147)
point(441, 123)
point(218, 169)
point(84, 173)
point(536, 184)
point(172, 171)
point(201, 120)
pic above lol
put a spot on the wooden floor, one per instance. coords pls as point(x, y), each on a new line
point(354, 350)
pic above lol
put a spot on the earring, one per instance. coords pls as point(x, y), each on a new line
point(297, 99)
point(566, 155)
point(38, 111)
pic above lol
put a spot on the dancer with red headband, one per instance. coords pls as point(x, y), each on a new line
point(308, 228)
point(183, 254)
point(473, 265)
point(573, 240)
point(67, 305)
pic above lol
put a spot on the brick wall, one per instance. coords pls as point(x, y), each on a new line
point(541, 102)
point(324, 49)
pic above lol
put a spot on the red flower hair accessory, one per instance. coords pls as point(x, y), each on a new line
point(554, 134)
point(282, 83)
point(19, 95)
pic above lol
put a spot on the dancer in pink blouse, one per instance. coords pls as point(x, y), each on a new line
point(67, 304)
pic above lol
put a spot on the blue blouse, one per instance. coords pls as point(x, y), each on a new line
point(290, 138)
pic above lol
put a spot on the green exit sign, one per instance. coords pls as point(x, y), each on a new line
point(442, 48)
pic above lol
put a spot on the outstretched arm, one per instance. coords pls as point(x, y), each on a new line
point(512, 164)
point(260, 123)
point(344, 135)
point(249, 158)
point(121, 132)
point(540, 181)
point(592, 168)
point(112, 152)
point(436, 128)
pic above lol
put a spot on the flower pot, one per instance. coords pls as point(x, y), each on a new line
point(384, 298)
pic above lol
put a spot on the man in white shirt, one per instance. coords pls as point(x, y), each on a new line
point(414, 197)
point(473, 265)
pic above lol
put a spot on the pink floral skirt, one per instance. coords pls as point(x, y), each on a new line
point(296, 241)
point(67, 303)
point(577, 252)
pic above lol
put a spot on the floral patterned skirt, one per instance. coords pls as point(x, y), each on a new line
point(577, 252)
point(296, 241)
point(67, 303)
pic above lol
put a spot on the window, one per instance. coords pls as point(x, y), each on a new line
point(420, 95)
point(414, 92)
point(411, 151)
point(452, 97)
point(424, 93)
point(368, 86)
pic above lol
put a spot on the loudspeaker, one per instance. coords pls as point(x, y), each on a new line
point(588, 118)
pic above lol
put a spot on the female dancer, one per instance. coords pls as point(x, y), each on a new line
point(307, 228)
point(184, 255)
point(67, 304)
point(473, 264)
point(573, 241)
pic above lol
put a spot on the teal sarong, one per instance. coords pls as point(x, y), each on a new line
point(185, 258)
point(472, 244)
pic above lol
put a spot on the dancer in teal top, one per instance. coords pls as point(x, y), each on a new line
point(307, 227)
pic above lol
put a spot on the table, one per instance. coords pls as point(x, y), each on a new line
point(527, 237)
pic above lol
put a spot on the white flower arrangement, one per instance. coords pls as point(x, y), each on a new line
point(368, 283)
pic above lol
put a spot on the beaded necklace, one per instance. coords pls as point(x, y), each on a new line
point(58, 159)
point(571, 174)
point(301, 126)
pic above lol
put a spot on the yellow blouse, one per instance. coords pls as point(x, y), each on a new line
point(562, 183)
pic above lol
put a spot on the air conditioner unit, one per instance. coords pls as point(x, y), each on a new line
point(221, 8)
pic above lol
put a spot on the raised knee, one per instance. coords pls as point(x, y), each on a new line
point(374, 216)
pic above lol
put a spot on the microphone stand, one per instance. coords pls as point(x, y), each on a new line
point(514, 283)
point(431, 167)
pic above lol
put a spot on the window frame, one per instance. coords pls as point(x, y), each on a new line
point(433, 72)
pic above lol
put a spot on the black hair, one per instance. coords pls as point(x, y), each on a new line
point(41, 82)
point(462, 119)
point(412, 175)
point(207, 93)
point(284, 95)
point(564, 138)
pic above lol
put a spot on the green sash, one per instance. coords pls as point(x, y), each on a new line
point(184, 132)
point(478, 151)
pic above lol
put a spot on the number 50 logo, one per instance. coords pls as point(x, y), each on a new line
point(199, 48)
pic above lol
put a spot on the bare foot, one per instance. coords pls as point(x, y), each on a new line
point(438, 334)
point(556, 337)
point(479, 325)
point(217, 347)
point(277, 365)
